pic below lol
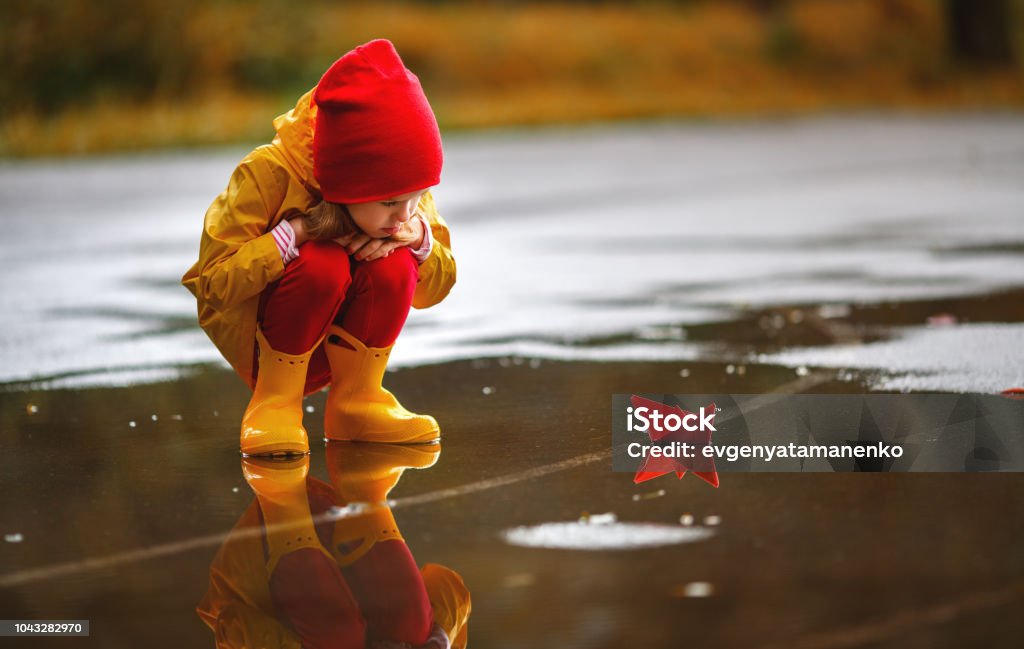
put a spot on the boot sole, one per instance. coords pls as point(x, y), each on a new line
point(435, 439)
point(275, 451)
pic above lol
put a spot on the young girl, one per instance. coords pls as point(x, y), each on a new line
point(312, 256)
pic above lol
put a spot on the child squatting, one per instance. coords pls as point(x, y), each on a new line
point(312, 256)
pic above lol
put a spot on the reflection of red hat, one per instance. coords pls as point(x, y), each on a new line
point(376, 136)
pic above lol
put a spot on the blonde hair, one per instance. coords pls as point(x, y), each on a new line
point(329, 221)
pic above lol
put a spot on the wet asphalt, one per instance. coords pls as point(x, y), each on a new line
point(866, 254)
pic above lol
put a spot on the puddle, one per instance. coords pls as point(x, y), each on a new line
point(604, 536)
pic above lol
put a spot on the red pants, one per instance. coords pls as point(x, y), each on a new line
point(370, 300)
point(379, 597)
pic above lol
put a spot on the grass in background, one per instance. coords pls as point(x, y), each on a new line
point(214, 73)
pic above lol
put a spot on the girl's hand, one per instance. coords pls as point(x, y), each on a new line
point(412, 232)
point(365, 248)
point(299, 227)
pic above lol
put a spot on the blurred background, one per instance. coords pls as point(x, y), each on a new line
point(82, 76)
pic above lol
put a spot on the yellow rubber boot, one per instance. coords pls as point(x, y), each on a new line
point(273, 420)
point(280, 488)
point(362, 476)
point(358, 406)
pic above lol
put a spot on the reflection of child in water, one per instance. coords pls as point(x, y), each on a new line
point(312, 256)
point(345, 583)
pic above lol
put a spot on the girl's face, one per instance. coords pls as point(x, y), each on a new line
point(380, 219)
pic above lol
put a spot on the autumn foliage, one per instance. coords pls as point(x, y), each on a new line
point(81, 75)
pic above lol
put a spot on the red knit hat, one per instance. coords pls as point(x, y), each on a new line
point(375, 135)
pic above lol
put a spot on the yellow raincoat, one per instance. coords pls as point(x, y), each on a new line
point(237, 254)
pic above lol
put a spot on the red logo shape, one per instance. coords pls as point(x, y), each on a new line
point(652, 467)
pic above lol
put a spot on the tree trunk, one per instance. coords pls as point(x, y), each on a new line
point(980, 31)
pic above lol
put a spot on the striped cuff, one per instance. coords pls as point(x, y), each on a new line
point(284, 237)
point(438, 638)
point(421, 253)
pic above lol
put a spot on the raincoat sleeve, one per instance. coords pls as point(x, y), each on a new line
point(450, 601)
point(437, 272)
point(238, 252)
point(239, 626)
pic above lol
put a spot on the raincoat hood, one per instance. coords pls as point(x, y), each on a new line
point(294, 139)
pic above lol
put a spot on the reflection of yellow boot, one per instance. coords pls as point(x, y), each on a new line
point(450, 601)
point(273, 421)
point(280, 488)
point(365, 474)
point(358, 406)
